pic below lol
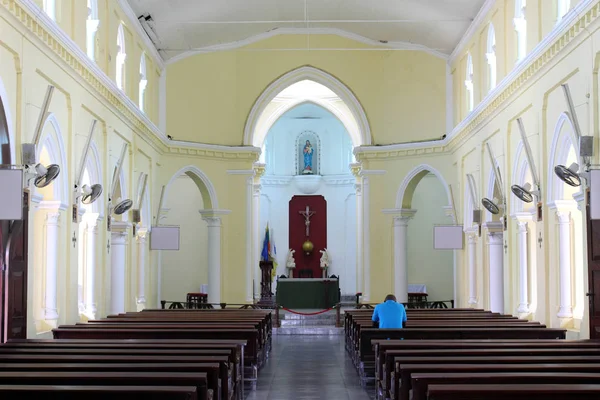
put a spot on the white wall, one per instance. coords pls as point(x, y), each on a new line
point(434, 268)
point(334, 153)
point(185, 270)
point(336, 185)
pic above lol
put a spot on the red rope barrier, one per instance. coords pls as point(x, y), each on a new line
point(314, 313)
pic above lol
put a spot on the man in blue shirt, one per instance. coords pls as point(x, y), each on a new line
point(389, 314)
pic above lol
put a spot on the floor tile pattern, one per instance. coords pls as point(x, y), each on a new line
point(308, 367)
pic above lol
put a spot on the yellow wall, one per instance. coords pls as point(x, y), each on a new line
point(210, 95)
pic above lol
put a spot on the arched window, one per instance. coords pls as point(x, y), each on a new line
point(562, 8)
point(143, 83)
point(91, 28)
point(469, 82)
point(521, 28)
point(491, 57)
point(50, 8)
point(121, 56)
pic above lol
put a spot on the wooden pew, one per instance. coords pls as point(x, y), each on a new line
point(74, 392)
point(235, 346)
point(421, 381)
point(401, 382)
point(211, 370)
point(197, 379)
point(387, 350)
point(514, 392)
point(252, 352)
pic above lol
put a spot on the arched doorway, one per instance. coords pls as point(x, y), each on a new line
point(423, 200)
point(190, 202)
point(297, 91)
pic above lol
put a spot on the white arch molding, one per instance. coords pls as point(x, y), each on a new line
point(209, 194)
point(94, 168)
point(7, 115)
point(521, 172)
point(355, 119)
point(51, 139)
point(559, 152)
point(422, 169)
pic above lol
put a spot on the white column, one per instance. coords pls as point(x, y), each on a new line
point(523, 266)
point(214, 259)
point(359, 239)
point(140, 241)
point(472, 254)
point(401, 257)
point(118, 254)
point(249, 239)
point(565, 309)
point(256, 239)
point(91, 233)
point(366, 240)
point(496, 274)
point(51, 260)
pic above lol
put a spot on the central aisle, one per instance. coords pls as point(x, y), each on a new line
point(306, 367)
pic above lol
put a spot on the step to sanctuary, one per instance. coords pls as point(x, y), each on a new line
point(299, 323)
point(308, 330)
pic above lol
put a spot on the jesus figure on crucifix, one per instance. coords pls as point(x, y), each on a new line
point(307, 214)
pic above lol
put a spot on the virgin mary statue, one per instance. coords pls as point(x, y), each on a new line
point(308, 156)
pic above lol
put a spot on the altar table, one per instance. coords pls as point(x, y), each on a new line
point(308, 293)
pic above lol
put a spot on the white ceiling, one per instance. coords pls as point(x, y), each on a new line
point(204, 25)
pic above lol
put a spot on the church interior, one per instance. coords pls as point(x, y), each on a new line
point(249, 179)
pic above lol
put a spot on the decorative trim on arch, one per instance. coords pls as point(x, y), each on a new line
point(94, 167)
point(559, 151)
point(418, 173)
point(52, 140)
point(207, 190)
point(361, 135)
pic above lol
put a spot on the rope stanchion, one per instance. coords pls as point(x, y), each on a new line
point(313, 313)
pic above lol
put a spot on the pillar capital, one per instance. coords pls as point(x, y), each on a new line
point(401, 215)
point(141, 236)
point(259, 170)
point(53, 218)
point(494, 227)
point(355, 169)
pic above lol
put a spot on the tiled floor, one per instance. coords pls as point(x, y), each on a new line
point(306, 367)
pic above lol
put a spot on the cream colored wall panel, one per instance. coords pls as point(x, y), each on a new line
point(220, 88)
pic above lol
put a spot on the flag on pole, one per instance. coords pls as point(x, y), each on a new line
point(269, 251)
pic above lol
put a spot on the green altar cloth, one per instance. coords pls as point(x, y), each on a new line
point(311, 293)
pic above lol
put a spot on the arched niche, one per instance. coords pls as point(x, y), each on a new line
point(562, 152)
point(343, 104)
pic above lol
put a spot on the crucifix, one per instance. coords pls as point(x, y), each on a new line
point(307, 214)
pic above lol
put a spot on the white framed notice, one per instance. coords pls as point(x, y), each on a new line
point(164, 238)
point(11, 200)
point(448, 237)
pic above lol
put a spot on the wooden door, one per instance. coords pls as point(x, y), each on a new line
point(593, 236)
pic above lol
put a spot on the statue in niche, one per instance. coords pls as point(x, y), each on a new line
point(290, 263)
point(308, 158)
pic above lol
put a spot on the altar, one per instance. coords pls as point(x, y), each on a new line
point(308, 293)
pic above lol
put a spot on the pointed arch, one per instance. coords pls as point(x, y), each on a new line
point(469, 100)
point(411, 180)
point(354, 118)
point(143, 83)
point(51, 139)
point(207, 189)
point(94, 168)
point(563, 141)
